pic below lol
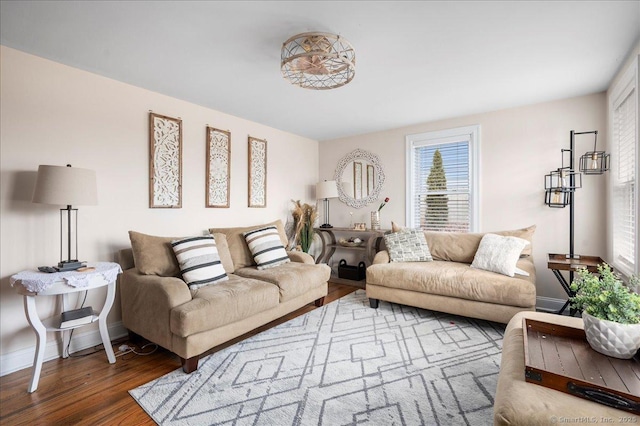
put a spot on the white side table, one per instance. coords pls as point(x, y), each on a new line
point(32, 284)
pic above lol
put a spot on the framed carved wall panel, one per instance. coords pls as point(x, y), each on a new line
point(218, 168)
point(165, 161)
point(257, 172)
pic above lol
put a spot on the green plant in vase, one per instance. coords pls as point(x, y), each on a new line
point(611, 311)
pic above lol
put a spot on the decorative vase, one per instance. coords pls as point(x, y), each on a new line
point(375, 220)
point(611, 338)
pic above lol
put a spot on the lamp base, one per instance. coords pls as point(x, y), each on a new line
point(69, 265)
point(326, 225)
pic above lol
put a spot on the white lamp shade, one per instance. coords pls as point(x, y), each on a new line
point(65, 186)
point(326, 189)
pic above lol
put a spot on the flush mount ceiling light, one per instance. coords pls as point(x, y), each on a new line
point(318, 61)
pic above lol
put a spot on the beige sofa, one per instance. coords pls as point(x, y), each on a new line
point(159, 306)
point(449, 284)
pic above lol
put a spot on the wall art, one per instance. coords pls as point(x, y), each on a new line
point(218, 168)
point(165, 161)
point(257, 172)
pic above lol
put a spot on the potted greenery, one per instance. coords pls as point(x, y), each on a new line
point(610, 310)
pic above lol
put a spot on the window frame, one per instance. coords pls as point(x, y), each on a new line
point(627, 83)
point(471, 134)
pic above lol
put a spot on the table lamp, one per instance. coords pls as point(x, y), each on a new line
point(324, 191)
point(66, 186)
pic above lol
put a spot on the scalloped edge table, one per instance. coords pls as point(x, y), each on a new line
point(31, 284)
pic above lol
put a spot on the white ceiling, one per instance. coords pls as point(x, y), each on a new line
point(415, 61)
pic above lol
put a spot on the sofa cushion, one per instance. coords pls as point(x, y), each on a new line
point(408, 245)
point(240, 253)
point(293, 279)
point(266, 247)
point(223, 252)
point(199, 261)
point(499, 253)
point(455, 279)
point(462, 247)
point(525, 234)
point(154, 256)
point(217, 305)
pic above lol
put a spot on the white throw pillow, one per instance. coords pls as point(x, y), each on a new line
point(498, 253)
point(266, 247)
point(199, 261)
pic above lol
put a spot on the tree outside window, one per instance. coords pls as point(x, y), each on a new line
point(436, 199)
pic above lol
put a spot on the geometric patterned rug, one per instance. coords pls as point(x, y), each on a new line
point(342, 364)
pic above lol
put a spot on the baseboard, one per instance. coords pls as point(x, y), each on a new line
point(550, 304)
point(23, 358)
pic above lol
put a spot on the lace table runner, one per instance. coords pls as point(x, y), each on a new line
point(36, 281)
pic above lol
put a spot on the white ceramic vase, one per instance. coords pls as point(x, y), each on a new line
point(611, 338)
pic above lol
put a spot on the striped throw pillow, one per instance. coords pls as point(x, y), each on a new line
point(266, 247)
point(199, 261)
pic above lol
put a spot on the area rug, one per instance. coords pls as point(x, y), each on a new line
point(342, 364)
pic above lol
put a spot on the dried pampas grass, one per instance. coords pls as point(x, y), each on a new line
point(304, 216)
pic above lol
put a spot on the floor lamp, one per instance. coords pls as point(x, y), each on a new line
point(324, 191)
point(66, 186)
point(561, 184)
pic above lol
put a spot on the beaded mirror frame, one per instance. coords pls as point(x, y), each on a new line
point(378, 177)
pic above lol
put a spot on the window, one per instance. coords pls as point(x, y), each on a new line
point(623, 113)
point(442, 180)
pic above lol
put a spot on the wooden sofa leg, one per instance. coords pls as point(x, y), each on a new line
point(374, 303)
point(190, 365)
point(319, 302)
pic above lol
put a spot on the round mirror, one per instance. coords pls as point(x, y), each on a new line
point(359, 177)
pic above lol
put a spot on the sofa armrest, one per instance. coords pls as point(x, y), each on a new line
point(147, 301)
point(125, 259)
point(381, 257)
point(301, 257)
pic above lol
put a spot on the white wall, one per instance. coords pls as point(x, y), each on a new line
point(518, 147)
point(55, 114)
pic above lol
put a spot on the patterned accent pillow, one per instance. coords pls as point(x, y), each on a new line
point(266, 247)
point(408, 245)
point(199, 261)
point(497, 253)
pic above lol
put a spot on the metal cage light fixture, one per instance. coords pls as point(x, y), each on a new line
point(594, 162)
point(318, 61)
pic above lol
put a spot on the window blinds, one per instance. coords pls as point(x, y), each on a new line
point(624, 147)
point(441, 187)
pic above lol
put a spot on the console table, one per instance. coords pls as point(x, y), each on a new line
point(372, 239)
point(32, 284)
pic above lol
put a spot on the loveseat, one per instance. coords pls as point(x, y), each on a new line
point(158, 305)
point(450, 284)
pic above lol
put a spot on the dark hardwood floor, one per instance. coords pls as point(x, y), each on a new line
point(90, 391)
